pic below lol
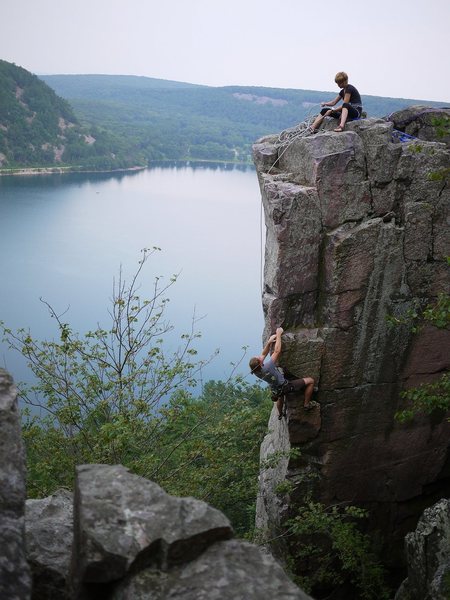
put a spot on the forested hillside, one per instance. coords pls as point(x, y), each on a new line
point(40, 129)
point(117, 121)
point(173, 120)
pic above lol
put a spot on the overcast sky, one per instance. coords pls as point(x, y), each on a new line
point(395, 48)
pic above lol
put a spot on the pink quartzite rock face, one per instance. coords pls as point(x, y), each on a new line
point(357, 237)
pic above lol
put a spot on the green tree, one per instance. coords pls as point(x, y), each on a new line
point(114, 396)
point(334, 552)
point(101, 394)
point(212, 447)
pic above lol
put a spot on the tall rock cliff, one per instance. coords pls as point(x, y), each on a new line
point(357, 235)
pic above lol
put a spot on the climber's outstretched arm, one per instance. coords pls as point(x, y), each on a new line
point(266, 349)
point(277, 350)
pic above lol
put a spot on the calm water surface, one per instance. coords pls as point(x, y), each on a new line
point(64, 237)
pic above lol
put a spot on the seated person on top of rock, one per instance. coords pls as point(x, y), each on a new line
point(271, 374)
point(351, 108)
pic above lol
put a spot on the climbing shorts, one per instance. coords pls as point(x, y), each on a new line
point(294, 385)
point(354, 112)
point(289, 387)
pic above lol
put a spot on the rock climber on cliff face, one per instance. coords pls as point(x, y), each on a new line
point(270, 373)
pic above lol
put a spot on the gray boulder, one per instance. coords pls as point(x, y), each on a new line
point(49, 536)
point(134, 541)
point(123, 522)
point(15, 581)
point(229, 570)
point(428, 556)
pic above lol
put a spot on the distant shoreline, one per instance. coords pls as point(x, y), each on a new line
point(59, 170)
point(29, 171)
point(26, 172)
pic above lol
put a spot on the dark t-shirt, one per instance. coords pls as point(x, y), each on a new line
point(355, 98)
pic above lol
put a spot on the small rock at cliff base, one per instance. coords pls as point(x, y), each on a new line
point(230, 570)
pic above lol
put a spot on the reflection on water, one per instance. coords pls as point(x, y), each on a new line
point(197, 164)
point(58, 179)
point(64, 237)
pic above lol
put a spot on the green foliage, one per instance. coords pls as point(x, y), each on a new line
point(211, 448)
point(206, 447)
point(284, 487)
point(438, 314)
point(99, 392)
point(332, 549)
point(326, 549)
point(415, 148)
point(428, 397)
point(442, 125)
point(440, 175)
point(135, 120)
point(273, 460)
point(172, 120)
point(38, 128)
point(115, 396)
point(411, 317)
point(442, 128)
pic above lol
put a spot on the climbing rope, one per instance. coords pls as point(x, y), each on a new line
point(289, 136)
point(303, 129)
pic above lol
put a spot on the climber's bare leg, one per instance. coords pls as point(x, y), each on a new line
point(280, 406)
point(309, 388)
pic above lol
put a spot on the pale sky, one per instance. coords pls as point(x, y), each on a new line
point(395, 48)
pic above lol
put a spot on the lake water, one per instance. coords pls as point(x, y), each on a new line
point(64, 237)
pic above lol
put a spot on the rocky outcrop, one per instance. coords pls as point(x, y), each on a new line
point(232, 570)
point(130, 540)
point(134, 540)
point(357, 237)
point(15, 583)
point(428, 556)
point(126, 523)
point(423, 122)
point(49, 535)
point(119, 537)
